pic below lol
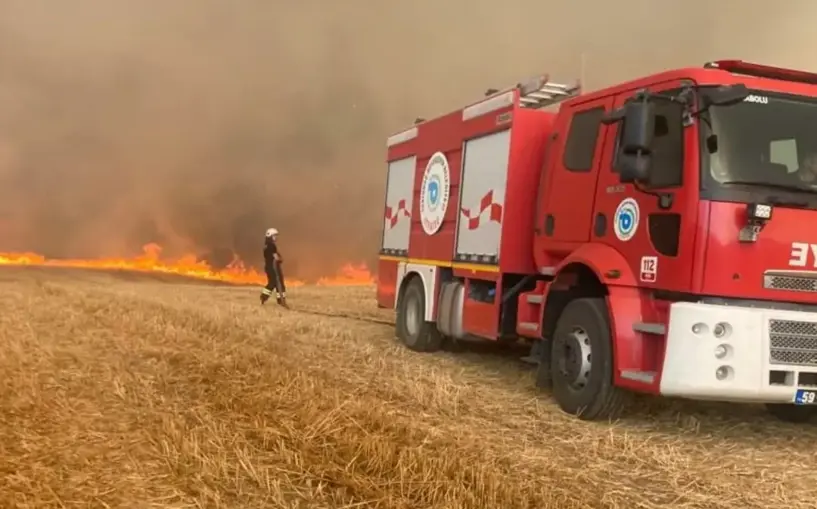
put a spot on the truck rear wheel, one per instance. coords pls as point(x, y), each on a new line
point(412, 328)
point(791, 413)
point(582, 362)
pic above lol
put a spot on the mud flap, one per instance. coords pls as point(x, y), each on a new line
point(535, 355)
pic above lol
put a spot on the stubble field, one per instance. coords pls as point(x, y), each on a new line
point(128, 391)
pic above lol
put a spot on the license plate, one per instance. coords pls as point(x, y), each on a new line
point(805, 397)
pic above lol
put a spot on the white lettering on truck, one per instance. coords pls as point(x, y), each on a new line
point(758, 99)
point(800, 255)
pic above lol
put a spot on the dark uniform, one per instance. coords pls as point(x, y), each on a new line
point(275, 274)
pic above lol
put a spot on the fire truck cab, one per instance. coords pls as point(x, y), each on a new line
point(651, 236)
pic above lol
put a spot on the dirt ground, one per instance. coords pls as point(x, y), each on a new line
point(137, 392)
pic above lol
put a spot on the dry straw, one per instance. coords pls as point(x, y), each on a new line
point(138, 393)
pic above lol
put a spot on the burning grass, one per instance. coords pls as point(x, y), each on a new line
point(190, 266)
point(140, 393)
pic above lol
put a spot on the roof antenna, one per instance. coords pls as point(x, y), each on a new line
point(582, 75)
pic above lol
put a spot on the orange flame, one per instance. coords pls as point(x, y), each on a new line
point(189, 266)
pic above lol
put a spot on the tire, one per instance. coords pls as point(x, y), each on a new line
point(412, 329)
point(797, 414)
point(581, 362)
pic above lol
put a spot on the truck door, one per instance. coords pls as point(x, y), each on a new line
point(566, 211)
point(656, 238)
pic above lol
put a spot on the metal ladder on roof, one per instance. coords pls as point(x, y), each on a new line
point(539, 92)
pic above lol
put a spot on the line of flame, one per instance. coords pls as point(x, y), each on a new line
point(189, 266)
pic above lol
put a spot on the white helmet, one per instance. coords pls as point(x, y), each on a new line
point(271, 232)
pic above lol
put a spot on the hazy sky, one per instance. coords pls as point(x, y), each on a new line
point(199, 123)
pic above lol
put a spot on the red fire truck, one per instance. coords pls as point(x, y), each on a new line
point(651, 236)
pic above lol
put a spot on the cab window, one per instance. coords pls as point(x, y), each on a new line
point(784, 152)
point(769, 141)
point(582, 137)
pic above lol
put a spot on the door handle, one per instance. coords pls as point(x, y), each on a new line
point(550, 224)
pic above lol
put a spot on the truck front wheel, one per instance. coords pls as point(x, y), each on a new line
point(582, 362)
point(412, 328)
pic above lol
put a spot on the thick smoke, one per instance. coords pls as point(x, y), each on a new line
point(198, 123)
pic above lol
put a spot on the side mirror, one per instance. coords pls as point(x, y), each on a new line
point(633, 167)
point(638, 127)
point(634, 158)
point(726, 95)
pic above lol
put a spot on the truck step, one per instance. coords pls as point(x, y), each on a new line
point(527, 329)
point(529, 311)
point(646, 377)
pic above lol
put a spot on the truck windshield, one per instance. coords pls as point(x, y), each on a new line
point(768, 141)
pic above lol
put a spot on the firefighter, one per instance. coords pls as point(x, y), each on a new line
point(272, 267)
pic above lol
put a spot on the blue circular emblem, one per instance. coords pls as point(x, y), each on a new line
point(626, 219)
point(433, 192)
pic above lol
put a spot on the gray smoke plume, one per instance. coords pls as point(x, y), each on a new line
point(198, 124)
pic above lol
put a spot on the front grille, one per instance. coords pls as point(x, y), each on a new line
point(793, 342)
point(791, 283)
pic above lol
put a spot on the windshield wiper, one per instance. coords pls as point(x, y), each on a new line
point(785, 187)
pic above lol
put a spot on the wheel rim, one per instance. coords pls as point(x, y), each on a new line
point(412, 317)
point(575, 358)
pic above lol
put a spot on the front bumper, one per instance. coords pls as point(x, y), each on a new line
point(766, 355)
